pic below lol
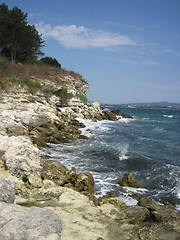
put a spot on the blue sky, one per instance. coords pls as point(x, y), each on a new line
point(127, 50)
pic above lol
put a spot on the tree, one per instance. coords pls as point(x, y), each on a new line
point(50, 61)
point(19, 41)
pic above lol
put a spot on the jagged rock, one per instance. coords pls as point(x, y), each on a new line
point(21, 158)
point(62, 176)
point(96, 105)
point(85, 183)
point(55, 172)
point(118, 112)
point(7, 190)
point(33, 223)
point(128, 180)
point(108, 115)
point(107, 200)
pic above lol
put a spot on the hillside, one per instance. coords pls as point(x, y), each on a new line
point(49, 77)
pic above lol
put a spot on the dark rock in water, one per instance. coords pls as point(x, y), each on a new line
point(33, 223)
point(7, 190)
point(85, 183)
point(62, 176)
point(128, 180)
point(127, 116)
point(118, 112)
point(160, 213)
point(83, 137)
point(108, 115)
point(107, 199)
point(55, 172)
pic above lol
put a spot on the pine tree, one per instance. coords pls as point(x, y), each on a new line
point(19, 41)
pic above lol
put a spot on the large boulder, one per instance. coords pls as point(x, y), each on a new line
point(19, 223)
point(118, 112)
point(21, 158)
point(108, 115)
point(129, 180)
point(57, 173)
point(7, 190)
point(62, 176)
point(85, 183)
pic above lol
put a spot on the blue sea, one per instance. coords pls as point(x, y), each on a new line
point(148, 146)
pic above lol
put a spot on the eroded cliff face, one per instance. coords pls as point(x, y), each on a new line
point(39, 107)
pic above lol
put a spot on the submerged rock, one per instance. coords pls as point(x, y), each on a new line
point(128, 180)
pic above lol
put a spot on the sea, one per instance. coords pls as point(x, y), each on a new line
point(148, 146)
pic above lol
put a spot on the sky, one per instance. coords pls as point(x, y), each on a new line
point(127, 50)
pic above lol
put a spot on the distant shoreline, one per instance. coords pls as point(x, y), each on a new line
point(140, 106)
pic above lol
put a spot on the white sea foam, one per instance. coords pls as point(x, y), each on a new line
point(124, 120)
point(168, 116)
point(136, 190)
point(128, 200)
point(93, 125)
point(123, 150)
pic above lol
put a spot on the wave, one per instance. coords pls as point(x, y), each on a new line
point(168, 116)
point(124, 120)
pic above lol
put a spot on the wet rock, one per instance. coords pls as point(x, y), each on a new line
point(7, 190)
point(160, 213)
point(118, 112)
point(62, 176)
point(55, 172)
point(85, 183)
point(107, 114)
point(33, 223)
point(128, 180)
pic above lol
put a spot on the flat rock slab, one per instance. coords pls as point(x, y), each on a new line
point(20, 223)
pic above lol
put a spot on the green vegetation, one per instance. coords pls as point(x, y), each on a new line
point(50, 61)
point(32, 85)
point(64, 95)
point(19, 41)
point(83, 98)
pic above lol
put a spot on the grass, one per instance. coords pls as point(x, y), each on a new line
point(83, 98)
point(18, 82)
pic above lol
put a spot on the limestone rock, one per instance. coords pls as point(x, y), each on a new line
point(19, 223)
point(128, 180)
point(21, 158)
point(96, 105)
point(7, 190)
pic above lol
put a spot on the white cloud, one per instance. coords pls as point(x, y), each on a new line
point(80, 37)
point(167, 50)
point(138, 61)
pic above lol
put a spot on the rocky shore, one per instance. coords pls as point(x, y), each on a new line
point(41, 199)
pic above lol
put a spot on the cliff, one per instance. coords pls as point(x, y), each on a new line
point(40, 105)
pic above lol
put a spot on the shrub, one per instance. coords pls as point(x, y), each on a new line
point(50, 61)
point(63, 95)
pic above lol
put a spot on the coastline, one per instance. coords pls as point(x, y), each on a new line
point(31, 121)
